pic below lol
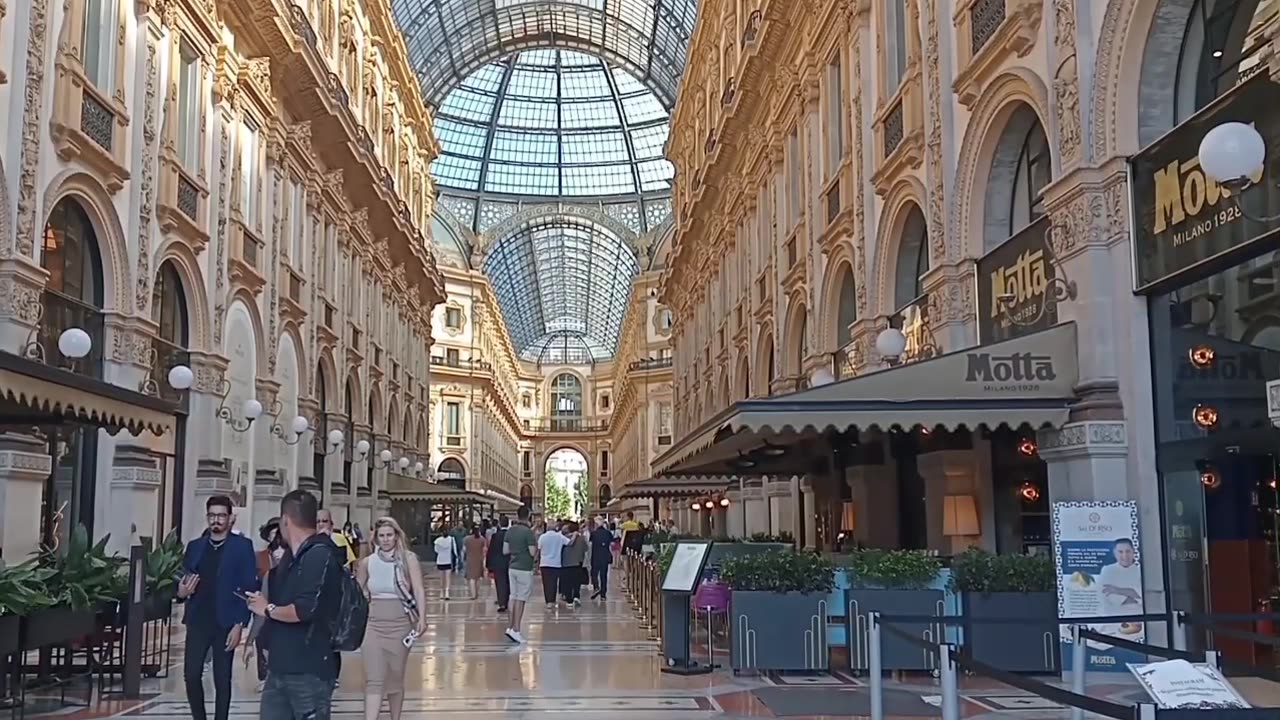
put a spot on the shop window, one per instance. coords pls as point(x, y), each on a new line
point(169, 312)
point(101, 18)
point(1032, 174)
point(73, 293)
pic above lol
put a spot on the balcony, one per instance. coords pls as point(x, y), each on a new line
point(59, 313)
point(181, 205)
point(246, 267)
point(660, 363)
point(988, 33)
point(566, 424)
point(461, 363)
point(293, 303)
point(899, 131)
point(89, 124)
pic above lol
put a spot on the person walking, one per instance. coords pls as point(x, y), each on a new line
point(269, 559)
point(473, 554)
point(218, 566)
point(392, 578)
point(446, 551)
point(299, 615)
point(459, 534)
point(550, 551)
point(573, 558)
point(521, 550)
point(346, 557)
point(496, 562)
point(601, 558)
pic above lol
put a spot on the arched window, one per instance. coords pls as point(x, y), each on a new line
point(847, 312)
point(349, 406)
point(605, 495)
point(73, 294)
point(1032, 173)
point(566, 402)
point(321, 431)
point(913, 260)
point(451, 469)
point(526, 495)
point(169, 306)
point(1219, 46)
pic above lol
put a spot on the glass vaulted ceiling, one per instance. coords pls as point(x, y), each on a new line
point(563, 286)
point(552, 122)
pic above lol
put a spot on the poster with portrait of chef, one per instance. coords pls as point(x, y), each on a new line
point(1099, 563)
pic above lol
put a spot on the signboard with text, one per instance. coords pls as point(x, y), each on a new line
point(1180, 685)
point(1014, 297)
point(1181, 218)
point(1099, 563)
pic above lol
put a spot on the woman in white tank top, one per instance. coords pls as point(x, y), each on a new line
point(392, 578)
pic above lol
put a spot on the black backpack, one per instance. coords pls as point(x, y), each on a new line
point(351, 613)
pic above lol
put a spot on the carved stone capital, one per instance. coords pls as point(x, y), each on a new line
point(1103, 438)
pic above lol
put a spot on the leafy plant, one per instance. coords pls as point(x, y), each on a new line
point(764, 537)
point(665, 554)
point(84, 576)
point(164, 563)
point(976, 570)
point(893, 569)
point(779, 571)
point(24, 589)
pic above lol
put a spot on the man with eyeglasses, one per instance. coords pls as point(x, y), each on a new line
point(219, 568)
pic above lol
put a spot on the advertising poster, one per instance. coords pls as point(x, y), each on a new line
point(1099, 563)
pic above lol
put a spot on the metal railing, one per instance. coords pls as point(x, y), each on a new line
point(569, 425)
point(642, 585)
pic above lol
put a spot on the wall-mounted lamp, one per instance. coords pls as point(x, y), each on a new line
point(724, 502)
point(403, 463)
point(250, 410)
point(1233, 155)
point(418, 467)
point(1029, 492)
point(362, 449)
point(1027, 447)
point(384, 460)
point(334, 439)
point(695, 506)
point(297, 427)
point(73, 343)
point(1205, 416)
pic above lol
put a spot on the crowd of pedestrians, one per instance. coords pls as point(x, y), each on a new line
point(313, 591)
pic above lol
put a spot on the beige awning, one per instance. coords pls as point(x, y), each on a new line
point(43, 393)
point(677, 486)
point(1026, 381)
point(401, 487)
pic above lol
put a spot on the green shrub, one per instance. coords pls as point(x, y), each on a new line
point(779, 571)
point(84, 576)
point(893, 569)
point(976, 570)
point(24, 589)
point(164, 564)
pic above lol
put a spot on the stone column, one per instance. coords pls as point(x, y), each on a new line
point(757, 509)
point(781, 504)
point(807, 513)
point(734, 520)
point(268, 490)
point(134, 492)
point(25, 465)
point(213, 477)
point(336, 499)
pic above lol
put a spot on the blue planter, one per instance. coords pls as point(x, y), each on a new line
point(778, 631)
point(1031, 647)
point(895, 652)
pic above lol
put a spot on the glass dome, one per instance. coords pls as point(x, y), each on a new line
point(548, 122)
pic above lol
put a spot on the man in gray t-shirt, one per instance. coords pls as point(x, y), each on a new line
point(520, 547)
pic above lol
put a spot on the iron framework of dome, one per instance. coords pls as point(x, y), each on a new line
point(563, 286)
point(552, 123)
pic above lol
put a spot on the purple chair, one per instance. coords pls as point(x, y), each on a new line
point(711, 600)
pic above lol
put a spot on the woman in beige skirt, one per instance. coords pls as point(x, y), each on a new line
point(392, 578)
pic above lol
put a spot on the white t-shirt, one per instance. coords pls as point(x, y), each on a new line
point(550, 546)
point(1129, 578)
point(444, 550)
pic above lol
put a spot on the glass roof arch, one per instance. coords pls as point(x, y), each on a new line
point(563, 285)
point(448, 40)
point(552, 123)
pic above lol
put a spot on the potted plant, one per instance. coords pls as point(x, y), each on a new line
point(22, 591)
point(81, 580)
point(778, 609)
point(1009, 587)
point(163, 568)
point(893, 582)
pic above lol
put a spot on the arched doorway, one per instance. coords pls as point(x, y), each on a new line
point(72, 298)
point(169, 312)
point(846, 307)
point(566, 403)
point(912, 261)
point(604, 495)
point(452, 473)
point(566, 488)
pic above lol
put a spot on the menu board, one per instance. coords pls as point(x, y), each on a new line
point(1099, 567)
point(685, 571)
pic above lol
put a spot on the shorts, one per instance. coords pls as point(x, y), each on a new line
point(442, 568)
point(521, 584)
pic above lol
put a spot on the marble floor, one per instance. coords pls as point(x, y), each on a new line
point(594, 662)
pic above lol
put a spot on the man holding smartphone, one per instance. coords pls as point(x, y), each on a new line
point(220, 568)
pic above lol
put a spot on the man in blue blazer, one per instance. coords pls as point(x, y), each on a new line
point(220, 568)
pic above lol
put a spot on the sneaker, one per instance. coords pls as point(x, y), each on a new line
point(514, 636)
point(502, 609)
point(577, 602)
point(551, 606)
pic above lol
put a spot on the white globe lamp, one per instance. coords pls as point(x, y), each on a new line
point(404, 463)
point(821, 376)
point(1232, 153)
point(362, 447)
point(74, 343)
point(891, 343)
point(335, 438)
point(181, 377)
point(299, 425)
point(385, 456)
point(252, 409)
point(417, 468)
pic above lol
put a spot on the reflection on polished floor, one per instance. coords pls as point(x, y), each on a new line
point(591, 662)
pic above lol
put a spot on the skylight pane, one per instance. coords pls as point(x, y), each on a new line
point(456, 172)
point(466, 104)
point(461, 138)
point(599, 180)
point(521, 179)
point(532, 114)
point(592, 114)
point(648, 141)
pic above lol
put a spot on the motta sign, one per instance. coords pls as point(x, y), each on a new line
point(1015, 372)
point(1014, 297)
point(1182, 219)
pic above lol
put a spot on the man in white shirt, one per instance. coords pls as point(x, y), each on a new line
point(550, 546)
point(1122, 580)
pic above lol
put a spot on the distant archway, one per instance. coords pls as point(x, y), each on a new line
point(566, 486)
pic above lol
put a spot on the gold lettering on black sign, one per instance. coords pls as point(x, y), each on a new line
point(1183, 192)
point(1013, 286)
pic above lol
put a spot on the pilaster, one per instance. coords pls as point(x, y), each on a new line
point(25, 464)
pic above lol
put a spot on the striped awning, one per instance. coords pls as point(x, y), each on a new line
point(661, 486)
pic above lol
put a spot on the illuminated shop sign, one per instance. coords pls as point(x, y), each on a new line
point(1014, 297)
point(1181, 218)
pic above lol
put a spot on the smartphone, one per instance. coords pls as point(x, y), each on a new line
point(241, 594)
point(410, 638)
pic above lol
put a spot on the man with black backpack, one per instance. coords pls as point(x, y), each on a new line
point(313, 610)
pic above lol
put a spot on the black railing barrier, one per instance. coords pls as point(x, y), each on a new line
point(1212, 622)
point(952, 658)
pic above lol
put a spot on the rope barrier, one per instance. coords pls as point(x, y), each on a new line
point(1059, 695)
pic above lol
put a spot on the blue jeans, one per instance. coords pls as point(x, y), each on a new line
point(295, 697)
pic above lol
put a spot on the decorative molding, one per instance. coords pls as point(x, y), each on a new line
point(32, 102)
point(147, 191)
point(1085, 437)
point(1066, 85)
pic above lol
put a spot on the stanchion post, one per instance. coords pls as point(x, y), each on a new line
point(1179, 631)
point(950, 686)
point(1078, 655)
point(1145, 711)
point(875, 663)
point(1213, 659)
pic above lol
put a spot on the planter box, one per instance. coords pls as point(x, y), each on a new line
point(895, 652)
point(778, 631)
point(10, 634)
point(157, 607)
point(1030, 647)
point(56, 626)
